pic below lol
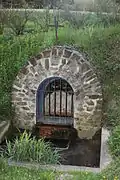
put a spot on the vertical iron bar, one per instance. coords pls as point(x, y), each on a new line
point(66, 102)
point(54, 98)
point(44, 100)
point(60, 97)
point(49, 98)
point(72, 104)
point(56, 26)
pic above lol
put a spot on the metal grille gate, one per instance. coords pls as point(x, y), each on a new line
point(53, 112)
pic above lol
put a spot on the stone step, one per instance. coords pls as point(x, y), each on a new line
point(54, 68)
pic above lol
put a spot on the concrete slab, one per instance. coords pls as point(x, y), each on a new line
point(62, 168)
point(105, 158)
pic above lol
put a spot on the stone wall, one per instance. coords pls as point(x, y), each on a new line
point(76, 70)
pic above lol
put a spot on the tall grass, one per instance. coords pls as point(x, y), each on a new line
point(14, 53)
point(27, 148)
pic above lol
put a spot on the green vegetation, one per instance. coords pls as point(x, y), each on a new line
point(98, 38)
point(19, 173)
point(78, 20)
point(101, 44)
point(114, 142)
point(18, 21)
point(113, 170)
point(27, 148)
point(14, 52)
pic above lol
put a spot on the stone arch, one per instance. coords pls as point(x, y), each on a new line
point(71, 65)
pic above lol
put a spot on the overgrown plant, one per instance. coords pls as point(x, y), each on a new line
point(27, 148)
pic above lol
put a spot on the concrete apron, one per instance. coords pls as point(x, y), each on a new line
point(105, 160)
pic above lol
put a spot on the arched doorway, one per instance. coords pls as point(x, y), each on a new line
point(33, 78)
point(55, 102)
point(55, 108)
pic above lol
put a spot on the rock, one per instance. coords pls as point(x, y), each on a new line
point(4, 127)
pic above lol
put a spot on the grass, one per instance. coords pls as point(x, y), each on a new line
point(20, 173)
point(14, 53)
point(27, 149)
point(114, 142)
point(101, 44)
point(112, 172)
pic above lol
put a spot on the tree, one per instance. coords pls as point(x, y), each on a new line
point(17, 21)
point(13, 3)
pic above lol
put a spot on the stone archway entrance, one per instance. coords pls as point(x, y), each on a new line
point(55, 108)
point(73, 67)
point(54, 102)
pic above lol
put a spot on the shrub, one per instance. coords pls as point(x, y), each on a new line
point(27, 148)
point(114, 142)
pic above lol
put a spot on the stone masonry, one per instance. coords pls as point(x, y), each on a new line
point(71, 65)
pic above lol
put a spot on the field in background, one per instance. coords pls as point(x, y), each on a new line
point(75, 5)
